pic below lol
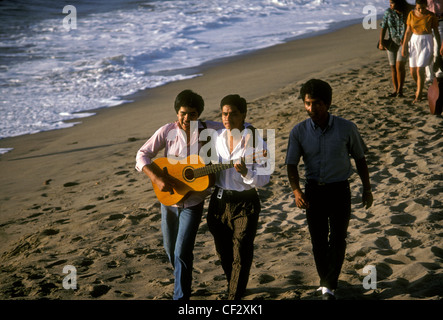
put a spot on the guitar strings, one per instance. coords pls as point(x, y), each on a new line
point(203, 171)
point(213, 168)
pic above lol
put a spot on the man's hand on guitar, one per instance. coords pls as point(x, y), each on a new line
point(165, 183)
point(159, 177)
point(241, 167)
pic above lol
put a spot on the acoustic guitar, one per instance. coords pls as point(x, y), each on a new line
point(435, 96)
point(435, 91)
point(189, 176)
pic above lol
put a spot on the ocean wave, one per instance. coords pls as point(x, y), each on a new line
point(121, 47)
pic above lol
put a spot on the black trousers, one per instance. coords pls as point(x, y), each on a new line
point(232, 220)
point(328, 219)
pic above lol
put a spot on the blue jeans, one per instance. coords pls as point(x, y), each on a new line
point(179, 227)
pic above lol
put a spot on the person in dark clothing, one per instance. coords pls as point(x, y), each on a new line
point(325, 142)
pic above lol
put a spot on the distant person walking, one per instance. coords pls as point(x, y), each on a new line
point(394, 22)
point(436, 7)
point(419, 42)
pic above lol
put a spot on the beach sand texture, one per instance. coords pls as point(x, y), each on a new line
point(73, 197)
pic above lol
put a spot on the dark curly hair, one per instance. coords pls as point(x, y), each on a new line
point(236, 101)
point(190, 99)
point(317, 89)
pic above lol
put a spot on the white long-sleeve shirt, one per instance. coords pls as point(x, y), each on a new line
point(230, 179)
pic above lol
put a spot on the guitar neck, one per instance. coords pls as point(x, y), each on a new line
point(214, 168)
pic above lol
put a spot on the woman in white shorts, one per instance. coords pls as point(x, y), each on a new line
point(418, 37)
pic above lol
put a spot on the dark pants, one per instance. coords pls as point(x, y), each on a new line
point(328, 218)
point(232, 221)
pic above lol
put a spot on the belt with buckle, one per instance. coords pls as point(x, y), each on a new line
point(232, 194)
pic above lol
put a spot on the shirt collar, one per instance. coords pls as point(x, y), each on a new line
point(224, 135)
point(242, 131)
point(330, 123)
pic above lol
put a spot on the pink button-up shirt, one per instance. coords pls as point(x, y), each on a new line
point(172, 139)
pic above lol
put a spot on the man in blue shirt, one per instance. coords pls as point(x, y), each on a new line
point(326, 143)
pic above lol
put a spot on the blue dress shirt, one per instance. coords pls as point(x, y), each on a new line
point(326, 153)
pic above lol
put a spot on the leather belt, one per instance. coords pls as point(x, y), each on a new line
point(323, 184)
point(234, 195)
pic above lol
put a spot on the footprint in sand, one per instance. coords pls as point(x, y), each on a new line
point(99, 290)
point(49, 232)
point(402, 219)
point(437, 252)
point(122, 172)
point(265, 278)
point(70, 184)
point(397, 232)
point(399, 208)
point(384, 246)
point(56, 263)
point(35, 215)
point(46, 288)
point(88, 207)
point(135, 219)
point(116, 216)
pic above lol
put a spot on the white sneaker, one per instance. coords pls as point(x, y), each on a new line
point(327, 293)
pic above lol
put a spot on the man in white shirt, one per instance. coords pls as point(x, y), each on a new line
point(235, 206)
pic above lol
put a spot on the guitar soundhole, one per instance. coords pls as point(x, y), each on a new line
point(188, 173)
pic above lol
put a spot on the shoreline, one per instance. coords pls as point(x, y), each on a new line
point(196, 72)
point(193, 72)
point(252, 75)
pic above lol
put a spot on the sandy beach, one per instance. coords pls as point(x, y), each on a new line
point(72, 197)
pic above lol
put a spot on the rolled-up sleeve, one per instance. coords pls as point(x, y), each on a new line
point(254, 179)
point(259, 172)
point(357, 147)
point(294, 151)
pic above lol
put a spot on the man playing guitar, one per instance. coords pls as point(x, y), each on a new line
point(179, 221)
